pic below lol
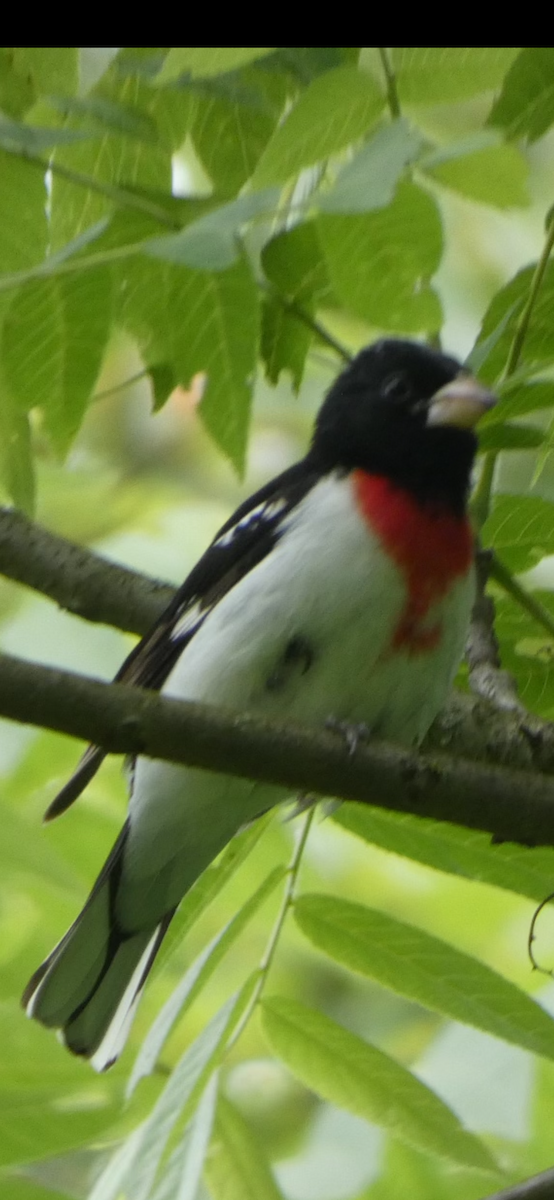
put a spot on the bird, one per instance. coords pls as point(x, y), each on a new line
point(343, 588)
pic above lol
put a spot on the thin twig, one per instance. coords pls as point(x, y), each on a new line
point(390, 77)
point(286, 903)
point(120, 387)
point(295, 309)
point(481, 501)
point(540, 1187)
point(120, 195)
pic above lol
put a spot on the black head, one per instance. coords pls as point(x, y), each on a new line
point(382, 414)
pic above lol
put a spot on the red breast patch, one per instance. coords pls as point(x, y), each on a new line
point(431, 547)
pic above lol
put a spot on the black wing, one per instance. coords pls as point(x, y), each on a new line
point(245, 539)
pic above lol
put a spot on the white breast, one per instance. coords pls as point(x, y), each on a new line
point(327, 582)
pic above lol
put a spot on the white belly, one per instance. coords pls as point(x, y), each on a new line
point(343, 600)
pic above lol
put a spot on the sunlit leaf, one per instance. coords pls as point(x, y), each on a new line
point(347, 1071)
point(23, 228)
point(425, 969)
point(203, 62)
point(452, 849)
point(494, 175)
point(441, 74)
point(335, 110)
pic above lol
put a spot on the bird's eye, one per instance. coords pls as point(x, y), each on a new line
point(396, 388)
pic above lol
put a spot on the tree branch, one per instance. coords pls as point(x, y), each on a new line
point(512, 805)
point(540, 1187)
point(486, 677)
point(77, 579)
point(91, 587)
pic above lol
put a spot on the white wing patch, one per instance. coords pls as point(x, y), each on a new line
point(189, 621)
point(265, 512)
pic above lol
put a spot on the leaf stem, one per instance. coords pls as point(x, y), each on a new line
point(522, 326)
point(120, 387)
point(305, 318)
point(286, 903)
point(481, 500)
point(46, 269)
point(121, 196)
point(390, 77)
point(480, 505)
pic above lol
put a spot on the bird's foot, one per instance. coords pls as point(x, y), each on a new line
point(352, 734)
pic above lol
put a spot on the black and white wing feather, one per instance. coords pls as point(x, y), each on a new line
point(243, 542)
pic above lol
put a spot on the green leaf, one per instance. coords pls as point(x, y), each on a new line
point(285, 342)
point(347, 1071)
point(21, 1187)
point(109, 159)
point(380, 263)
point(17, 93)
point(452, 849)
point(55, 334)
point(425, 969)
point(48, 1103)
point(369, 180)
point(335, 110)
point(195, 979)
point(525, 107)
point(538, 347)
point(32, 139)
point(518, 400)
point(532, 665)
point(51, 68)
point(110, 114)
point(16, 461)
point(211, 883)
point(181, 1179)
point(229, 139)
point(494, 175)
point(214, 328)
point(33, 1126)
point(520, 529)
point(211, 242)
point(294, 262)
point(23, 228)
point(237, 1168)
point(499, 436)
point(201, 62)
point(442, 74)
point(185, 1083)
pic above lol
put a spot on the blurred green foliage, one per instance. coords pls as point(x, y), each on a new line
point(237, 213)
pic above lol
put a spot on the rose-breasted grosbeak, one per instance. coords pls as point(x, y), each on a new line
point(343, 587)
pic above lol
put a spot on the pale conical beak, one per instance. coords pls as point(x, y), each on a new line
point(461, 403)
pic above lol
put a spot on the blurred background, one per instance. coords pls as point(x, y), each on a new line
point(150, 490)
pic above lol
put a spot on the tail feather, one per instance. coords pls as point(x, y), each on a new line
point(90, 984)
